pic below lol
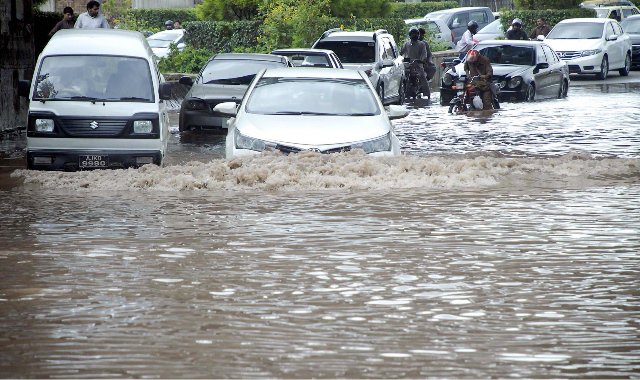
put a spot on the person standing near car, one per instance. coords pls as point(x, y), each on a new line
point(478, 65)
point(516, 32)
point(92, 18)
point(429, 66)
point(416, 50)
point(541, 29)
point(66, 22)
point(467, 41)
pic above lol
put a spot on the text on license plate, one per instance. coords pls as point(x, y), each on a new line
point(93, 160)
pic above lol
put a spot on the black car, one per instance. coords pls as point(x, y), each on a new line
point(523, 70)
point(224, 78)
point(631, 25)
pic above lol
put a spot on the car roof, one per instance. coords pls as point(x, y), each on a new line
point(453, 10)
point(584, 19)
point(302, 51)
point(98, 42)
point(352, 36)
point(634, 17)
point(249, 56)
point(172, 32)
point(312, 72)
point(511, 42)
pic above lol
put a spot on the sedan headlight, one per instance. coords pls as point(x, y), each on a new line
point(515, 82)
point(195, 105)
point(250, 143)
point(142, 126)
point(44, 125)
point(381, 144)
point(586, 53)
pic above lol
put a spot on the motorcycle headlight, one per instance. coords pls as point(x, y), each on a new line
point(250, 143)
point(381, 144)
point(515, 82)
point(586, 53)
point(447, 79)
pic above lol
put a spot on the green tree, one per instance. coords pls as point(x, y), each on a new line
point(360, 8)
point(228, 10)
point(116, 10)
point(292, 23)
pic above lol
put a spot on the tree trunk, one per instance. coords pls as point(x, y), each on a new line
point(16, 60)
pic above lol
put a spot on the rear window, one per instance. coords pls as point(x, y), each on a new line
point(631, 26)
point(509, 54)
point(351, 51)
point(234, 71)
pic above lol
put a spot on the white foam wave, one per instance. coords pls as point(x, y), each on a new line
point(351, 170)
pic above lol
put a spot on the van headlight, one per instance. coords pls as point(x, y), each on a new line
point(381, 144)
point(142, 126)
point(586, 53)
point(515, 82)
point(250, 143)
point(44, 125)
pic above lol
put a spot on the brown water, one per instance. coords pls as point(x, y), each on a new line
point(499, 246)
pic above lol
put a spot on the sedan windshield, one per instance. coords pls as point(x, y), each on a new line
point(508, 54)
point(234, 71)
point(631, 26)
point(94, 77)
point(576, 31)
point(312, 96)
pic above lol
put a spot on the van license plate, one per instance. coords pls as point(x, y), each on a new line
point(87, 161)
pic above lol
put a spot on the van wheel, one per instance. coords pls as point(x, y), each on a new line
point(627, 66)
point(604, 69)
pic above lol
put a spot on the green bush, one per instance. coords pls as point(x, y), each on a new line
point(418, 10)
point(219, 36)
point(360, 8)
point(189, 60)
point(228, 10)
point(292, 24)
point(551, 16)
point(153, 19)
point(546, 4)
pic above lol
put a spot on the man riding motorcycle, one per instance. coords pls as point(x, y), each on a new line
point(416, 50)
point(477, 65)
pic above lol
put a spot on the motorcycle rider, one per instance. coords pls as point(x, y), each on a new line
point(416, 50)
point(467, 41)
point(516, 32)
point(477, 65)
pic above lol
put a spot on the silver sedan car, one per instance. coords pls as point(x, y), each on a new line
point(311, 109)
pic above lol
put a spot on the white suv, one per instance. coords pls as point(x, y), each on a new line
point(376, 53)
point(591, 46)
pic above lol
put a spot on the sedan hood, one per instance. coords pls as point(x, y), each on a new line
point(509, 70)
point(313, 131)
point(358, 66)
point(635, 39)
point(217, 91)
point(573, 45)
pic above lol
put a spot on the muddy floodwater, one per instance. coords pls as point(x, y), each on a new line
point(501, 245)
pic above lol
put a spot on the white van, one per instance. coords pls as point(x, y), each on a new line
point(97, 100)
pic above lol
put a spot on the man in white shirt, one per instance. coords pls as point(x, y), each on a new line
point(467, 41)
point(92, 18)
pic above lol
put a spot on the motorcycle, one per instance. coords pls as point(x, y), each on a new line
point(469, 97)
point(412, 71)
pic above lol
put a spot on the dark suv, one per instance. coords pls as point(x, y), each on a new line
point(375, 53)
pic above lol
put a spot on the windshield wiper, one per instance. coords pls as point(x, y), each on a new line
point(88, 98)
point(300, 113)
point(133, 98)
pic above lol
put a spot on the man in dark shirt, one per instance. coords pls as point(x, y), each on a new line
point(541, 29)
point(66, 23)
point(516, 32)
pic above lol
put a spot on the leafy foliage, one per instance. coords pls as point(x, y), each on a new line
point(189, 60)
point(292, 23)
point(116, 10)
point(228, 10)
point(360, 8)
point(417, 10)
point(551, 16)
point(547, 4)
point(217, 36)
point(152, 20)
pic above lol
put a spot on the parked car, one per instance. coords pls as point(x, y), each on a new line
point(604, 3)
point(376, 53)
point(161, 41)
point(310, 109)
point(623, 11)
point(97, 101)
point(310, 57)
point(225, 77)
point(591, 46)
point(523, 70)
point(457, 19)
point(492, 31)
point(436, 28)
point(631, 26)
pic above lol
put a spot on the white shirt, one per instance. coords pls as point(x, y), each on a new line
point(85, 21)
point(466, 42)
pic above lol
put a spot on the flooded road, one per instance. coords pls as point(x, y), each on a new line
point(499, 246)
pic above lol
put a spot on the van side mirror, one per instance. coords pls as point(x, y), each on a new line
point(24, 86)
point(186, 80)
point(165, 91)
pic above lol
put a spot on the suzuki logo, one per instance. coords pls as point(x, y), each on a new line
point(93, 124)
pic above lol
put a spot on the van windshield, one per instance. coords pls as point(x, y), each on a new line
point(94, 77)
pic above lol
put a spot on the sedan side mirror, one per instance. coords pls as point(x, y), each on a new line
point(540, 37)
point(387, 63)
point(229, 109)
point(24, 86)
point(187, 81)
point(541, 66)
point(165, 91)
point(396, 111)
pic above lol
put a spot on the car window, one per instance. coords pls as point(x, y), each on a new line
point(551, 57)
point(318, 96)
point(508, 54)
point(609, 30)
point(602, 13)
point(479, 16)
point(576, 31)
point(234, 71)
point(631, 26)
point(540, 55)
point(617, 28)
point(351, 51)
point(390, 53)
point(459, 19)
